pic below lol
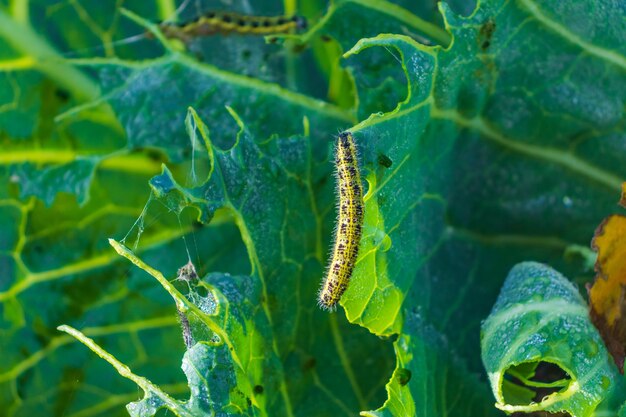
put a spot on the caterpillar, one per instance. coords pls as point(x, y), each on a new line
point(349, 225)
point(225, 23)
point(212, 23)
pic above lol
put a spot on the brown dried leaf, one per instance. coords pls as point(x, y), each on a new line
point(608, 292)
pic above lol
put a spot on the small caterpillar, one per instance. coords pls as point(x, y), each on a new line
point(224, 23)
point(349, 225)
point(212, 23)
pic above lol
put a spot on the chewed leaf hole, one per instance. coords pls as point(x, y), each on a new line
point(532, 382)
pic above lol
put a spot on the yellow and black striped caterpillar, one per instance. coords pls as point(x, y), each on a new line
point(212, 23)
point(224, 23)
point(349, 225)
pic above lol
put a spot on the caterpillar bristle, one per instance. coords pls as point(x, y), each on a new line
point(348, 230)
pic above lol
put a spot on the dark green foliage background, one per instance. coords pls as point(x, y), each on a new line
point(508, 146)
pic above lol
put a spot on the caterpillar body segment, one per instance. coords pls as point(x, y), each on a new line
point(224, 23)
point(349, 225)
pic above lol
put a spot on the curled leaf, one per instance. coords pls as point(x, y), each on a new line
point(540, 349)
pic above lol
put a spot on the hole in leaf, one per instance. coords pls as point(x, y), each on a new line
point(308, 364)
point(380, 72)
point(384, 160)
point(62, 94)
point(533, 381)
point(403, 375)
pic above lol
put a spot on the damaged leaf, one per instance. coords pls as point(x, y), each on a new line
point(606, 295)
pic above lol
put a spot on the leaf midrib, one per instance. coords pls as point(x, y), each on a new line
point(597, 51)
point(108, 258)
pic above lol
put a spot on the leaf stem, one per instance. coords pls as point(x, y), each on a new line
point(612, 56)
point(182, 302)
point(399, 13)
point(564, 158)
point(561, 383)
point(146, 385)
point(36, 357)
point(403, 15)
point(46, 59)
point(345, 360)
point(166, 9)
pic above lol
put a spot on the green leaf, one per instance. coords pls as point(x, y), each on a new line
point(447, 388)
point(130, 90)
point(225, 368)
point(72, 178)
point(539, 319)
point(266, 188)
point(449, 212)
point(348, 21)
point(507, 145)
point(494, 159)
point(56, 266)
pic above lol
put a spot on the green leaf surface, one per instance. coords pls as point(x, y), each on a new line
point(446, 387)
point(234, 350)
point(506, 146)
point(494, 159)
point(540, 317)
point(266, 187)
point(348, 21)
point(56, 266)
point(130, 90)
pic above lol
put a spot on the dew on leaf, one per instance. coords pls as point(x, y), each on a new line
point(567, 201)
